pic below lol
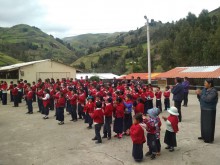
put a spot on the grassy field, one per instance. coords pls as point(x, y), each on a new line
point(7, 60)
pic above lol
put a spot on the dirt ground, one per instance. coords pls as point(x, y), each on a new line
point(31, 140)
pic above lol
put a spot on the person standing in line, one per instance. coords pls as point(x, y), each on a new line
point(166, 95)
point(4, 93)
point(29, 98)
point(10, 88)
point(15, 95)
point(185, 84)
point(158, 95)
point(178, 92)
point(60, 104)
point(108, 119)
point(208, 98)
point(46, 103)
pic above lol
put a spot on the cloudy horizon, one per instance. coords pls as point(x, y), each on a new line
point(70, 17)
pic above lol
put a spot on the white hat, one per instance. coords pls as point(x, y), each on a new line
point(173, 111)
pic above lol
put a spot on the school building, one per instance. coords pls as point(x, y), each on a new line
point(32, 71)
point(196, 75)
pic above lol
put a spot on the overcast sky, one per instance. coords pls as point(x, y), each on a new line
point(64, 18)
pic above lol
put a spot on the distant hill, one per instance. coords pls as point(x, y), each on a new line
point(27, 43)
point(191, 41)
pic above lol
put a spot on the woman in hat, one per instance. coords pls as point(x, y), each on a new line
point(208, 98)
point(172, 128)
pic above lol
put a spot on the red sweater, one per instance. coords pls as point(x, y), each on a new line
point(89, 107)
point(158, 94)
point(29, 95)
point(166, 94)
point(73, 99)
point(137, 134)
point(61, 102)
point(82, 99)
point(108, 110)
point(98, 116)
point(15, 91)
point(119, 110)
point(139, 108)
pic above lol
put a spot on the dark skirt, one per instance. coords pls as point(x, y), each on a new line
point(208, 125)
point(118, 125)
point(88, 119)
point(170, 138)
point(60, 114)
point(137, 152)
point(127, 121)
point(148, 105)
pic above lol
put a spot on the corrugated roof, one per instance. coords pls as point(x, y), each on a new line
point(100, 75)
point(143, 76)
point(192, 72)
point(16, 66)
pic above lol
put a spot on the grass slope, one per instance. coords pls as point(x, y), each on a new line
point(7, 60)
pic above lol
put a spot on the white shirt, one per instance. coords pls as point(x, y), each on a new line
point(47, 97)
point(169, 126)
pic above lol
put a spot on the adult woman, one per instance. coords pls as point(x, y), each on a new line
point(208, 98)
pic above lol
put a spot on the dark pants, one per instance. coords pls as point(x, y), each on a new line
point(167, 103)
point(88, 119)
point(51, 104)
point(159, 105)
point(97, 132)
point(29, 104)
point(4, 98)
point(158, 145)
point(46, 110)
point(208, 125)
point(127, 121)
point(60, 114)
point(11, 97)
point(68, 106)
point(177, 104)
point(148, 105)
point(185, 98)
point(137, 152)
point(152, 144)
point(80, 111)
point(34, 97)
point(40, 105)
point(107, 126)
point(72, 111)
point(20, 95)
point(15, 98)
point(0, 95)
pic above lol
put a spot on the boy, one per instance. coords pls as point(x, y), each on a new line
point(158, 95)
point(98, 118)
point(137, 136)
point(108, 119)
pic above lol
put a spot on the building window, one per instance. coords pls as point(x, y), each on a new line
point(9, 74)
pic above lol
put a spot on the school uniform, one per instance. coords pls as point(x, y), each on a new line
point(73, 105)
point(60, 104)
point(158, 125)
point(4, 93)
point(158, 100)
point(98, 119)
point(56, 97)
point(128, 115)
point(149, 101)
point(139, 108)
point(138, 138)
point(40, 101)
point(119, 116)
point(34, 88)
point(166, 95)
point(15, 96)
point(81, 104)
point(29, 98)
point(46, 103)
point(11, 86)
point(20, 92)
point(108, 120)
point(52, 92)
point(88, 109)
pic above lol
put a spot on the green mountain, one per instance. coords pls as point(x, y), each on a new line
point(191, 41)
point(27, 43)
point(7, 60)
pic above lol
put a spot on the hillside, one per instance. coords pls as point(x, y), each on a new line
point(27, 43)
point(7, 60)
point(191, 41)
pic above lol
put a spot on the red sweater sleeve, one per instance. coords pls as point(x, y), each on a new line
point(137, 134)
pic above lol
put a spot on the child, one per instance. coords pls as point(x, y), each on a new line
point(166, 95)
point(128, 103)
point(158, 125)
point(89, 108)
point(108, 119)
point(158, 95)
point(151, 132)
point(140, 106)
point(138, 138)
point(46, 103)
point(172, 128)
point(29, 98)
point(60, 104)
point(98, 118)
point(15, 95)
point(119, 116)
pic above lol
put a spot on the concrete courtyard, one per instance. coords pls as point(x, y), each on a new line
point(30, 140)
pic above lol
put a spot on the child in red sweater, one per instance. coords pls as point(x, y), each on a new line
point(140, 106)
point(166, 95)
point(108, 119)
point(138, 138)
point(98, 118)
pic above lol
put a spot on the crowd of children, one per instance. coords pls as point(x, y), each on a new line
point(98, 104)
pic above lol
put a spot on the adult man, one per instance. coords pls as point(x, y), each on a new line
point(178, 92)
point(186, 91)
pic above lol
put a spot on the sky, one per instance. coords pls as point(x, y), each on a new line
point(65, 18)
